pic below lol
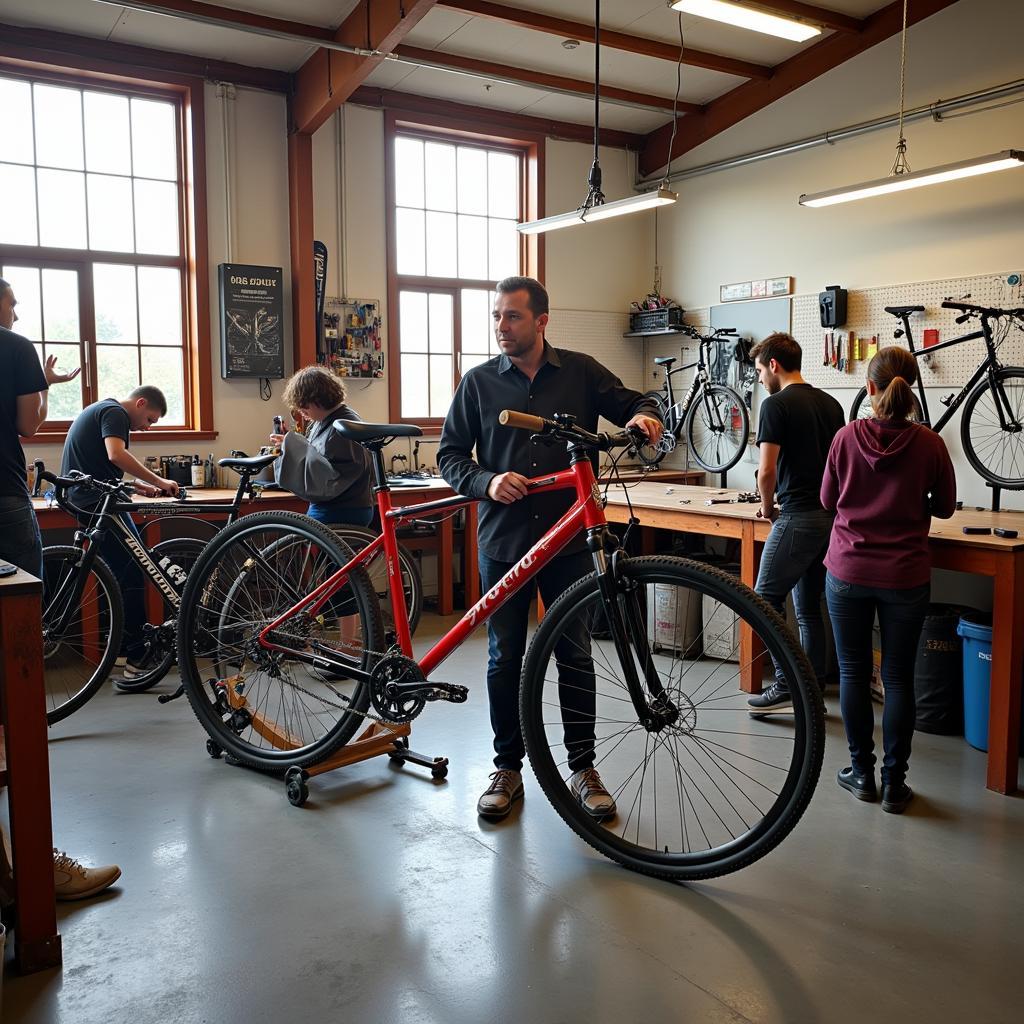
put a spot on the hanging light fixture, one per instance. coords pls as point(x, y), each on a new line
point(901, 178)
point(747, 17)
point(595, 207)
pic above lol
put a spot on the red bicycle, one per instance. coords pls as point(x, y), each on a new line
point(633, 670)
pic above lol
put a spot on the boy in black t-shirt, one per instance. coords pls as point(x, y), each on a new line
point(796, 424)
point(97, 444)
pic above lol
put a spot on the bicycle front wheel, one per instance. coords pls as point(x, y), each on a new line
point(992, 428)
point(707, 788)
point(83, 620)
point(274, 708)
point(717, 428)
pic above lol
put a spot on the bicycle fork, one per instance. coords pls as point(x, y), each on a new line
point(626, 625)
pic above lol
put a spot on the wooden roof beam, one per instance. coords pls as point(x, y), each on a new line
point(806, 66)
point(565, 29)
point(329, 77)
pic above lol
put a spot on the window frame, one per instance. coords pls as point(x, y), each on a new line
point(439, 128)
point(187, 95)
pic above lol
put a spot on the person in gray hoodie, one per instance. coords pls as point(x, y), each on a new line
point(885, 478)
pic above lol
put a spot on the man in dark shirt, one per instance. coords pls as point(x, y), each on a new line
point(532, 377)
point(97, 444)
point(795, 427)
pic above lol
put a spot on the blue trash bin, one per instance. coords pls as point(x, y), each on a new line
point(976, 631)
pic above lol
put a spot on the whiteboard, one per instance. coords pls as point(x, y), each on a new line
point(754, 320)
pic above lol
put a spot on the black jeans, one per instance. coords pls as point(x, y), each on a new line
point(901, 614)
point(506, 645)
point(129, 576)
point(20, 543)
point(792, 560)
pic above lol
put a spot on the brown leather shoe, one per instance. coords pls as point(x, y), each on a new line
point(589, 790)
point(497, 799)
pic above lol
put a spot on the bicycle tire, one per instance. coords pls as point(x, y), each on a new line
point(861, 409)
point(732, 437)
point(248, 575)
point(972, 418)
point(721, 823)
point(185, 552)
point(357, 537)
point(76, 663)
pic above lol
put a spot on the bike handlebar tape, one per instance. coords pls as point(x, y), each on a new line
point(521, 420)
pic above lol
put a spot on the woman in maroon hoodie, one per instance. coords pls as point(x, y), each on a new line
point(885, 478)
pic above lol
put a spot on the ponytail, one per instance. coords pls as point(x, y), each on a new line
point(892, 371)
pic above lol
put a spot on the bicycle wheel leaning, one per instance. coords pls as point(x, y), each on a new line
point(267, 708)
point(412, 580)
point(83, 621)
point(861, 408)
point(706, 793)
point(992, 428)
point(651, 455)
point(717, 428)
point(183, 552)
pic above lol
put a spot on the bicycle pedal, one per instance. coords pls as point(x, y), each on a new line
point(447, 691)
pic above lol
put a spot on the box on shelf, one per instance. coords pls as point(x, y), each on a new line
point(674, 619)
point(656, 319)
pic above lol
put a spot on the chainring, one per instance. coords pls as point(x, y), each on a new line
point(394, 707)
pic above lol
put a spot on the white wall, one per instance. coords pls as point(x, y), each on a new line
point(746, 224)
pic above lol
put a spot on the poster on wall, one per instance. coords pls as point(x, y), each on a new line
point(251, 321)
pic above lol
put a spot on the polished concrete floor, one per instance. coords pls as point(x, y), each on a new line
point(385, 899)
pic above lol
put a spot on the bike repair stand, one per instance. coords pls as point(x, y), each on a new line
point(997, 492)
point(378, 738)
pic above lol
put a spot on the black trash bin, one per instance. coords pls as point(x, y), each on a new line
point(938, 673)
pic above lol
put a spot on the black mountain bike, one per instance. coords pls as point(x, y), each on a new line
point(713, 416)
point(992, 426)
point(83, 607)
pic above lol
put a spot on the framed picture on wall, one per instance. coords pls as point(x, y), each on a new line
point(735, 292)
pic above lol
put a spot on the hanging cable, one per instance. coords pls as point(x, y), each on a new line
point(900, 164)
point(675, 102)
point(595, 197)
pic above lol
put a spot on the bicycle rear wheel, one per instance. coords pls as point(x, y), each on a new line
point(78, 655)
point(706, 793)
point(995, 450)
point(266, 707)
point(717, 428)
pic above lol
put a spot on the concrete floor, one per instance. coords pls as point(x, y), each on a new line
point(386, 899)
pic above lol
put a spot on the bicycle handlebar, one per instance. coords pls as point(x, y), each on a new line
point(569, 431)
point(969, 309)
point(77, 479)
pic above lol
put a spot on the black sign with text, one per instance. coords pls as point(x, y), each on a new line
point(251, 321)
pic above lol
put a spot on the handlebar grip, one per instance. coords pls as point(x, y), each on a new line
point(521, 420)
point(962, 319)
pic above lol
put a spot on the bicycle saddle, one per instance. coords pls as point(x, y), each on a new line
point(254, 462)
point(664, 360)
point(363, 432)
point(902, 310)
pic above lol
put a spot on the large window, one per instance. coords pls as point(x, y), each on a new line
point(92, 238)
point(456, 206)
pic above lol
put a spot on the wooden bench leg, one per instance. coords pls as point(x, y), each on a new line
point(752, 652)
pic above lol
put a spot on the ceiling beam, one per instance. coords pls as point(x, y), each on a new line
point(809, 13)
point(804, 67)
point(565, 29)
point(541, 79)
point(488, 120)
point(43, 45)
point(328, 78)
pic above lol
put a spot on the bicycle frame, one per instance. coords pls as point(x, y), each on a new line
point(989, 365)
point(700, 378)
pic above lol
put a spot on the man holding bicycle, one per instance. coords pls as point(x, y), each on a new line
point(97, 444)
point(530, 376)
point(795, 427)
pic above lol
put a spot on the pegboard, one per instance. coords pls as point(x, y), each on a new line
point(599, 334)
point(866, 316)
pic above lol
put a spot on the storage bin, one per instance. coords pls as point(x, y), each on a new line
point(976, 632)
point(674, 619)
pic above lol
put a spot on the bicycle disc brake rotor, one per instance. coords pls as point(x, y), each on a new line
point(389, 702)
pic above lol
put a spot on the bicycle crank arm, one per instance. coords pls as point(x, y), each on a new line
point(451, 692)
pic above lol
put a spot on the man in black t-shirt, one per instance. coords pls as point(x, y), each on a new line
point(795, 427)
point(97, 444)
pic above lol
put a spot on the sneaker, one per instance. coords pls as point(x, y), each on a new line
point(140, 666)
point(497, 799)
point(587, 787)
point(775, 700)
point(895, 797)
point(73, 881)
point(860, 785)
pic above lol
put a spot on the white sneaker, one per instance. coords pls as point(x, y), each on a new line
point(74, 881)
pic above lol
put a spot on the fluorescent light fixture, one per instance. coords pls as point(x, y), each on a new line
point(901, 182)
point(631, 204)
point(747, 17)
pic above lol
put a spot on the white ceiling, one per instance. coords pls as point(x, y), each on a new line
point(448, 31)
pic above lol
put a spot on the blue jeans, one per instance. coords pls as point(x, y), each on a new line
point(20, 542)
point(793, 561)
point(901, 614)
point(337, 516)
point(506, 645)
